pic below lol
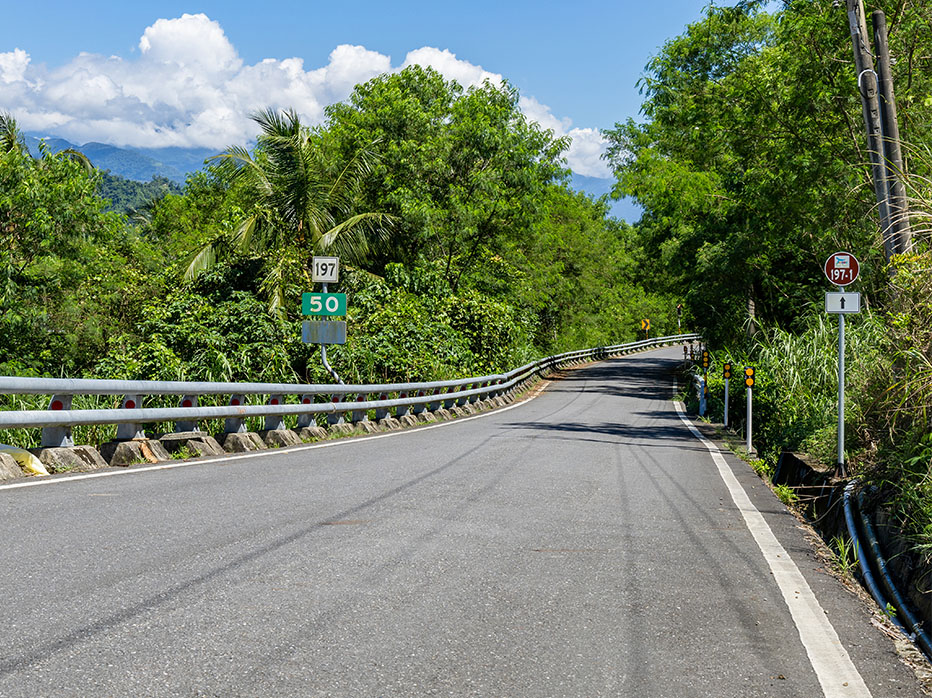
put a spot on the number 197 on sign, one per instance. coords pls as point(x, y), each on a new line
point(323, 304)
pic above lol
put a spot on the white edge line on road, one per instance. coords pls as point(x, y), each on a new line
point(829, 658)
point(270, 452)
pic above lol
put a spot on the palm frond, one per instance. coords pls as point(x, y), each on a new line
point(78, 157)
point(203, 259)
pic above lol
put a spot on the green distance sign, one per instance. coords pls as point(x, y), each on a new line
point(323, 304)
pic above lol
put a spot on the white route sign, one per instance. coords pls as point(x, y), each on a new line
point(325, 270)
point(842, 303)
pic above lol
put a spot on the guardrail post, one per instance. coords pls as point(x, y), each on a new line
point(420, 407)
point(130, 430)
point(58, 437)
point(274, 422)
point(381, 412)
point(402, 410)
point(360, 415)
point(335, 417)
point(433, 405)
point(187, 424)
point(235, 425)
point(306, 420)
point(448, 403)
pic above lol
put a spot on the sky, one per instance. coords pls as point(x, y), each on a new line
point(169, 73)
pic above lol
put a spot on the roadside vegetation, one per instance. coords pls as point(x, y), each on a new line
point(751, 166)
point(464, 250)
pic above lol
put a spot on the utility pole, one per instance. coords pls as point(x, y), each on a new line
point(893, 155)
point(867, 85)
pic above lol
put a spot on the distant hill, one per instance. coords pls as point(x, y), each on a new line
point(131, 197)
point(138, 164)
point(626, 209)
point(146, 164)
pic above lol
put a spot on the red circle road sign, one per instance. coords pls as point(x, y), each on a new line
point(842, 268)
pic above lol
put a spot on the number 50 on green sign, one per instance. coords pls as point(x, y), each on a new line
point(323, 304)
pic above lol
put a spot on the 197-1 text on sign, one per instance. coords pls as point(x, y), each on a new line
point(323, 304)
point(842, 268)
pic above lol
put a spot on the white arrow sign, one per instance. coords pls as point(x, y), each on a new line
point(836, 303)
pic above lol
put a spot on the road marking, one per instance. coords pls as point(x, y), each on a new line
point(534, 392)
point(829, 658)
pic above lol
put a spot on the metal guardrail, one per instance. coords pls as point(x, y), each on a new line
point(56, 421)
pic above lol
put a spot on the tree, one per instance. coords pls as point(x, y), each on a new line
point(299, 199)
point(462, 170)
point(67, 272)
point(750, 164)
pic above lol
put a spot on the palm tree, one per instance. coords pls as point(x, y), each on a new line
point(300, 202)
point(10, 136)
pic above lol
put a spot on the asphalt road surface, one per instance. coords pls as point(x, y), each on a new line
point(583, 543)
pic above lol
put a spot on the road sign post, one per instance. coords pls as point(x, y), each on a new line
point(325, 271)
point(726, 373)
point(749, 385)
point(842, 269)
point(703, 399)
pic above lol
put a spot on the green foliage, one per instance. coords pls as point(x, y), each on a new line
point(68, 272)
point(796, 388)
point(786, 494)
point(846, 555)
point(750, 164)
point(214, 330)
point(463, 172)
point(298, 199)
point(134, 198)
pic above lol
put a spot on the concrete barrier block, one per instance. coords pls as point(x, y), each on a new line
point(367, 426)
point(426, 417)
point(197, 443)
point(9, 468)
point(280, 438)
point(133, 452)
point(314, 433)
point(459, 411)
point(341, 428)
point(408, 420)
point(442, 413)
point(75, 459)
point(241, 442)
point(389, 423)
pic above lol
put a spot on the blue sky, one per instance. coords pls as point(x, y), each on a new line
point(181, 73)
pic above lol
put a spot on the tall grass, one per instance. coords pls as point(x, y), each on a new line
point(796, 382)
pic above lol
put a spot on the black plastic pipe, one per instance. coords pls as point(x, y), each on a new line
point(918, 635)
point(866, 572)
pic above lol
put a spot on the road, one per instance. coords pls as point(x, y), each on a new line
point(582, 543)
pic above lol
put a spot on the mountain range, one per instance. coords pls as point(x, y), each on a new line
point(139, 164)
point(142, 164)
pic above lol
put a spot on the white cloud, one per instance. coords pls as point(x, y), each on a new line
point(451, 67)
point(584, 156)
point(189, 87)
point(13, 66)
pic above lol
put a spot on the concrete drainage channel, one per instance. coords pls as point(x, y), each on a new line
point(322, 411)
point(897, 578)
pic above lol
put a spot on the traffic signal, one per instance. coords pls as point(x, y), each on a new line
point(726, 371)
point(749, 376)
point(705, 358)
